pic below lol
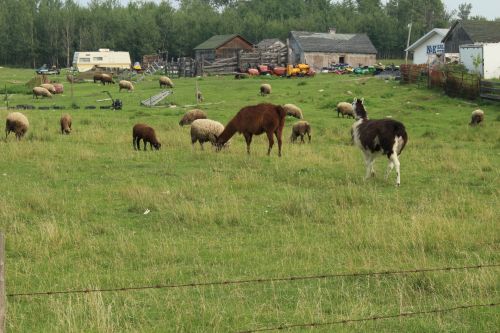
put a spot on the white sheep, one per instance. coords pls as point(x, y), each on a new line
point(206, 130)
point(50, 87)
point(293, 110)
point(345, 109)
point(265, 89)
point(165, 81)
point(124, 84)
point(18, 123)
point(477, 117)
point(39, 91)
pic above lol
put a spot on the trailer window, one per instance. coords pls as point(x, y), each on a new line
point(84, 59)
point(97, 58)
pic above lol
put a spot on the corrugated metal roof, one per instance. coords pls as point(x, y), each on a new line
point(328, 42)
point(217, 41)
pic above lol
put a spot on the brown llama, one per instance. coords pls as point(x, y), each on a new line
point(254, 120)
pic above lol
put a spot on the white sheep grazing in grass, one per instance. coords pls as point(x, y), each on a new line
point(345, 108)
point(165, 81)
point(206, 130)
point(477, 117)
point(301, 128)
point(265, 89)
point(124, 84)
point(39, 91)
point(50, 87)
point(293, 110)
point(18, 123)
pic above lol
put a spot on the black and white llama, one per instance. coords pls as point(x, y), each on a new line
point(378, 137)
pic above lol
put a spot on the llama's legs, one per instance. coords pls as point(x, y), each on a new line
point(279, 134)
point(395, 160)
point(390, 166)
point(369, 159)
point(201, 145)
point(302, 138)
point(248, 139)
point(271, 142)
point(309, 136)
point(133, 143)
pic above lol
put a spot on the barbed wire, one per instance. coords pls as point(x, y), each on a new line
point(248, 281)
point(346, 321)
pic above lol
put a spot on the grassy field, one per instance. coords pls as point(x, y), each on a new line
point(72, 211)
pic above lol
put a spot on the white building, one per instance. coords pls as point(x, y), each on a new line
point(429, 44)
point(482, 59)
point(84, 61)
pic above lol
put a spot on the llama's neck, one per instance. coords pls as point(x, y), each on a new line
point(228, 132)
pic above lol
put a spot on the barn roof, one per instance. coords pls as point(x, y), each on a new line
point(333, 42)
point(217, 41)
point(265, 43)
point(427, 36)
point(478, 31)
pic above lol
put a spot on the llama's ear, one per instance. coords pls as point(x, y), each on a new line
point(354, 100)
point(363, 100)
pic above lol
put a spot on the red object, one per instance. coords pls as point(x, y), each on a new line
point(311, 72)
point(264, 69)
point(279, 71)
point(253, 71)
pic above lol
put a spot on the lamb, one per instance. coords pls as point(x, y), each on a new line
point(166, 82)
point(205, 130)
point(255, 120)
point(265, 89)
point(477, 117)
point(106, 78)
point(301, 128)
point(18, 123)
point(345, 108)
point(146, 134)
point(124, 84)
point(39, 91)
point(49, 87)
point(293, 110)
point(65, 122)
point(191, 116)
point(385, 136)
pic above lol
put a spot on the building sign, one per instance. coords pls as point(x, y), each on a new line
point(435, 49)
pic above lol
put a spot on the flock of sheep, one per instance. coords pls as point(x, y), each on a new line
point(372, 136)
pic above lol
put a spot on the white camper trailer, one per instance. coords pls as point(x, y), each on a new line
point(84, 61)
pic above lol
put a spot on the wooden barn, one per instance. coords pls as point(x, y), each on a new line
point(471, 32)
point(320, 50)
point(222, 46)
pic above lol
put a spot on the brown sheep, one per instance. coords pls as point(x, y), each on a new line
point(65, 124)
point(477, 117)
point(191, 116)
point(301, 128)
point(18, 123)
point(124, 84)
point(97, 77)
point(166, 82)
point(146, 134)
point(39, 91)
point(265, 89)
point(106, 78)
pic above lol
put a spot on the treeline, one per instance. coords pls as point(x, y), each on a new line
point(33, 32)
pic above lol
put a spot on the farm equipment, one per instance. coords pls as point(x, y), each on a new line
point(116, 104)
point(299, 70)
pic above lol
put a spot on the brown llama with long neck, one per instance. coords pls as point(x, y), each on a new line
point(254, 120)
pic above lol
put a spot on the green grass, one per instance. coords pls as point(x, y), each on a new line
point(72, 212)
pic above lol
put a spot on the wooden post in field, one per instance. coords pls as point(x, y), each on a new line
point(3, 301)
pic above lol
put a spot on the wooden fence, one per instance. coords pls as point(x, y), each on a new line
point(489, 90)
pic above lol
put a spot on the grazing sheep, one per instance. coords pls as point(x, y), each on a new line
point(477, 117)
point(49, 87)
point(59, 88)
point(39, 91)
point(146, 134)
point(191, 116)
point(65, 124)
point(205, 130)
point(255, 120)
point(106, 78)
point(166, 82)
point(384, 136)
point(293, 110)
point(265, 89)
point(97, 77)
point(18, 123)
point(301, 128)
point(124, 84)
point(345, 109)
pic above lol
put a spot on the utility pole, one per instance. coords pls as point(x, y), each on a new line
point(408, 42)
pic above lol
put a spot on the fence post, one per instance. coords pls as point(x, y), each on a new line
point(3, 301)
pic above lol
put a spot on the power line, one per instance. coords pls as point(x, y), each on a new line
point(346, 321)
point(248, 281)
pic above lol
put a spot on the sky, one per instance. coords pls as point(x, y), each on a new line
point(487, 8)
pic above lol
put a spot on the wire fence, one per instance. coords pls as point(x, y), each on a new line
point(354, 320)
point(255, 280)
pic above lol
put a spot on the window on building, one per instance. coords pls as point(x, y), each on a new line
point(84, 59)
point(97, 58)
point(342, 59)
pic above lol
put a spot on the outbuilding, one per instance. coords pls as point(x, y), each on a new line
point(320, 50)
point(105, 58)
point(428, 45)
point(222, 46)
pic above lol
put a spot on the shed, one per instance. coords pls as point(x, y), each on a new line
point(324, 49)
point(482, 59)
point(471, 32)
point(428, 44)
point(86, 60)
point(222, 46)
